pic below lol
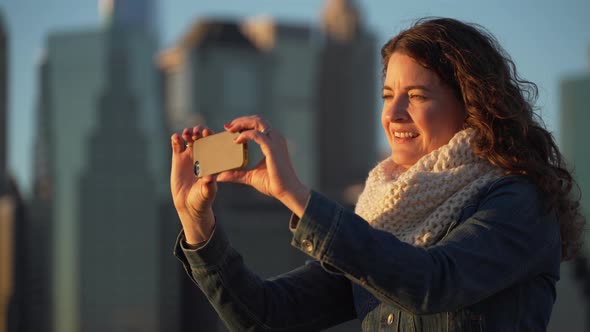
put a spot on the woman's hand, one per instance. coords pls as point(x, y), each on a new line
point(274, 175)
point(193, 198)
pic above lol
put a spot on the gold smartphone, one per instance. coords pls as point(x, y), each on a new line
point(217, 153)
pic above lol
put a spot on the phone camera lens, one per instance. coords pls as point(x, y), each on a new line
point(197, 168)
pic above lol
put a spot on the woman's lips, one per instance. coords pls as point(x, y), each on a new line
point(404, 136)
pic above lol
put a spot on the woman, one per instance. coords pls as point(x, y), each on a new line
point(463, 228)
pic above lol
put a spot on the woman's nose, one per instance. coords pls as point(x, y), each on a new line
point(397, 111)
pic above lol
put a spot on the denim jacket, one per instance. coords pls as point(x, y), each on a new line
point(495, 269)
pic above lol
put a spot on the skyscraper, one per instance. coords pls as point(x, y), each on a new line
point(137, 20)
point(572, 304)
point(40, 233)
point(86, 104)
point(134, 14)
point(3, 102)
point(574, 136)
point(15, 263)
point(575, 119)
point(118, 214)
point(291, 53)
point(346, 100)
point(15, 257)
point(75, 74)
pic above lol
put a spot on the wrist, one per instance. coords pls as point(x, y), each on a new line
point(197, 226)
point(296, 199)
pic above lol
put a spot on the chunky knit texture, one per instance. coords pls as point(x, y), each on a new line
point(418, 205)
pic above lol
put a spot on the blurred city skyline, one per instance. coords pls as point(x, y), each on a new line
point(548, 41)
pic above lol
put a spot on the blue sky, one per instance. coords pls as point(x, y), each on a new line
point(549, 40)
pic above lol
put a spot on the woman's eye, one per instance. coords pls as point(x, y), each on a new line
point(417, 97)
point(386, 97)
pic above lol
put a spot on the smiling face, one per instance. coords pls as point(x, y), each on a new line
point(420, 113)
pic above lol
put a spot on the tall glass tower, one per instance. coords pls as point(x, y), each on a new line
point(92, 101)
point(572, 304)
point(136, 14)
point(3, 102)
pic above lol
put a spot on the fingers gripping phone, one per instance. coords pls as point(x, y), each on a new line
point(217, 153)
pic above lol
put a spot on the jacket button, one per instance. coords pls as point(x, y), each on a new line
point(307, 246)
point(390, 319)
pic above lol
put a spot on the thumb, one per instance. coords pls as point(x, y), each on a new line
point(236, 176)
point(208, 179)
point(208, 186)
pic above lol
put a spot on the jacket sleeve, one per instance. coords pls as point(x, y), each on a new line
point(508, 239)
point(305, 299)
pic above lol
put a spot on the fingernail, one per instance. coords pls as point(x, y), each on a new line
point(227, 124)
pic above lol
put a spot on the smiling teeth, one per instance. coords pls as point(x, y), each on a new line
point(405, 135)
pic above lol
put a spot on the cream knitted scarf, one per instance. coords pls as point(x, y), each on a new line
point(418, 205)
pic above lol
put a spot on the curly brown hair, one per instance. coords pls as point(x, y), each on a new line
point(499, 106)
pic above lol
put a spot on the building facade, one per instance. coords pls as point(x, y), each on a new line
point(101, 171)
point(574, 121)
point(118, 210)
point(17, 257)
point(347, 100)
point(572, 308)
point(3, 102)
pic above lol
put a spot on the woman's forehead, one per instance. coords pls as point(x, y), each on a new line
point(403, 71)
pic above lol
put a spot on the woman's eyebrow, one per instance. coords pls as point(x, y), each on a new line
point(417, 87)
point(409, 87)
